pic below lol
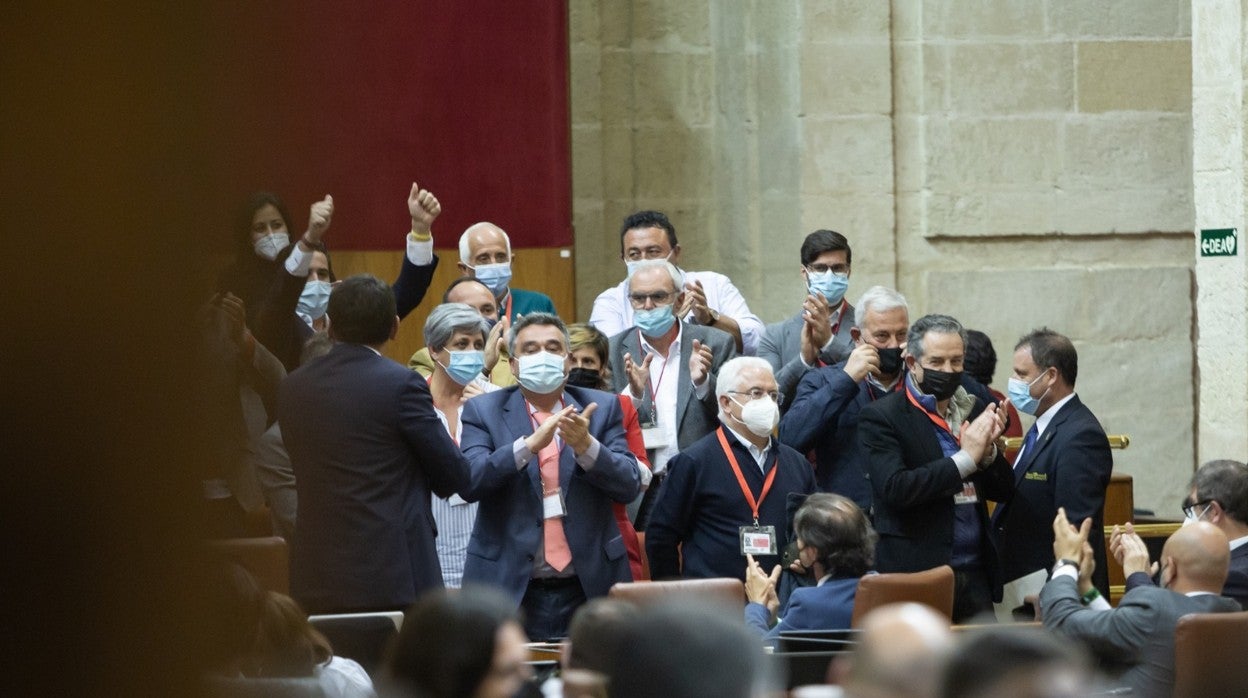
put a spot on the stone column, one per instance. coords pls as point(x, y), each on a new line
point(1218, 113)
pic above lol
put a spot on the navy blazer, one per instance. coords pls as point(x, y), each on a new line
point(913, 484)
point(508, 530)
point(826, 607)
point(1069, 466)
point(701, 508)
point(366, 447)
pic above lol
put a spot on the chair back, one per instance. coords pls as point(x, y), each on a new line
point(932, 587)
point(725, 591)
point(1209, 652)
point(268, 559)
point(364, 637)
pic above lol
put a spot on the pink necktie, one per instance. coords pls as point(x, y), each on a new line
point(557, 553)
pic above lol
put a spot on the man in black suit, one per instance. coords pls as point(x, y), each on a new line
point(1218, 493)
point(932, 462)
point(1065, 460)
point(366, 447)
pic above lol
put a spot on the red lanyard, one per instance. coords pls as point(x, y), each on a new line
point(745, 488)
point(840, 316)
point(936, 419)
point(507, 307)
point(654, 387)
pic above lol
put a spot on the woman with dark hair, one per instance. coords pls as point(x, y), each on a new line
point(835, 541)
point(590, 369)
point(465, 643)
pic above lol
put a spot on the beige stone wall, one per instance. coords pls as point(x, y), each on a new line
point(1014, 163)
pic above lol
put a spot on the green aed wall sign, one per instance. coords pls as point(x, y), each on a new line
point(1219, 242)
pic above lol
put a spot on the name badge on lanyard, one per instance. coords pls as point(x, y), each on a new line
point(755, 539)
point(967, 495)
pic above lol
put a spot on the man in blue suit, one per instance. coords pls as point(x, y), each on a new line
point(547, 462)
point(366, 448)
point(836, 542)
point(1065, 460)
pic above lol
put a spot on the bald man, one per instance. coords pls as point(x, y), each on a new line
point(902, 650)
point(485, 254)
point(1135, 641)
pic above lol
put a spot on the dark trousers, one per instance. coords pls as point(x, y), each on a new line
point(641, 517)
point(972, 596)
point(548, 605)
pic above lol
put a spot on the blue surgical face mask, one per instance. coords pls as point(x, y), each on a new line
point(314, 299)
point(1020, 395)
point(654, 322)
point(464, 366)
point(496, 277)
point(542, 373)
point(827, 284)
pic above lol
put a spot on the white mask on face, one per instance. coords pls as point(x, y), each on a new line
point(759, 416)
point(268, 246)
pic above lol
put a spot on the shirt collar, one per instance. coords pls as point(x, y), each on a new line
point(759, 454)
point(1042, 422)
point(680, 332)
point(1238, 542)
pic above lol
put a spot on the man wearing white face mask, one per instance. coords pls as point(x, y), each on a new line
point(485, 254)
point(819, 334)
point(726, 496)
point(547, 462)
point(1065, 460)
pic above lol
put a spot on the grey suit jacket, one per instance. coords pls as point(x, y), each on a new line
point(781, 345)
point(694, 418)
point(1136, 639)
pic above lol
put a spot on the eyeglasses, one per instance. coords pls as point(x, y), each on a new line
point(841, 270)
point(759, 394)
point(1189, 510)
point(658, 297)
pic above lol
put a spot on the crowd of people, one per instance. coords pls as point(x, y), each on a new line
point(519, 457)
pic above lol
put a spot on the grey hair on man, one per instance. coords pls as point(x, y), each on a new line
point(524, 321)
point(729, 377)
point(449, 318)
point(940, 324)
point(465, 248)
point(879, 299)
point(678, 278)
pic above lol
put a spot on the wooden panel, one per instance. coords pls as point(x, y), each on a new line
point(1119, 509)
point(537, 269)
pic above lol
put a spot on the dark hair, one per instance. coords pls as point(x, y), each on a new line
point(648, 219)
point(1226, 482)
point(539, 319)
point(425, 659)
point(255, 202)
point(822, 241)
point(286, 643)
point(361, 310)
point(839, 530)
point(1050, 349)
point(989, 660)
point(594, 633)
point(981, 358)
point(446, 297)
point(940, 324)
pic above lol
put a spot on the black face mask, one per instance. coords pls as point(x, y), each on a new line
point(584, 378)
point(890, 361)
point(940, 384)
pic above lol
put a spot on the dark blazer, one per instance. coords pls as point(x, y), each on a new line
point(366, 448)
point(1135, 641)
point(781, 345)
point(824, 417)
point(826, 607)
point(702, 509)
point(410, 287)
point(509, 522)
point(1069, 466)
point(694, 418)
point(913, 484)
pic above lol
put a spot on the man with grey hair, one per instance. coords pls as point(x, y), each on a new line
point(825, 410)
point(668, 367)
point(485, 254)
point(932, 462)
point(547, 460)
point(727, 495)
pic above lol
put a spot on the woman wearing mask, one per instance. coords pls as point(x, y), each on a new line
point(455, 335)
point(590, 370)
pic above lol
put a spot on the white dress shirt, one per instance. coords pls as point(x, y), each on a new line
point(1042, 423)
point(454, 518)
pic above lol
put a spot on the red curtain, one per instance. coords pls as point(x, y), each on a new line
point(467, 97)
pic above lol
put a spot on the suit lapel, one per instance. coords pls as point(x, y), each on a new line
point(922, 425)
point(516, 417)
point(684, 389)
point(1050, 431)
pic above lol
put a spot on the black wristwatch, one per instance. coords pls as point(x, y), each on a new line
point(1063, 562)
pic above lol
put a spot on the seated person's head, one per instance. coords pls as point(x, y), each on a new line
point(1007, 662)
point(833, 532)
point(1195, 558)
point(687, 651)
point(467, 289)
point(594, 633)
point(362, 311)
point(459, 643)
point(1218, 493)
point(589, 348)
point(900, 653)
